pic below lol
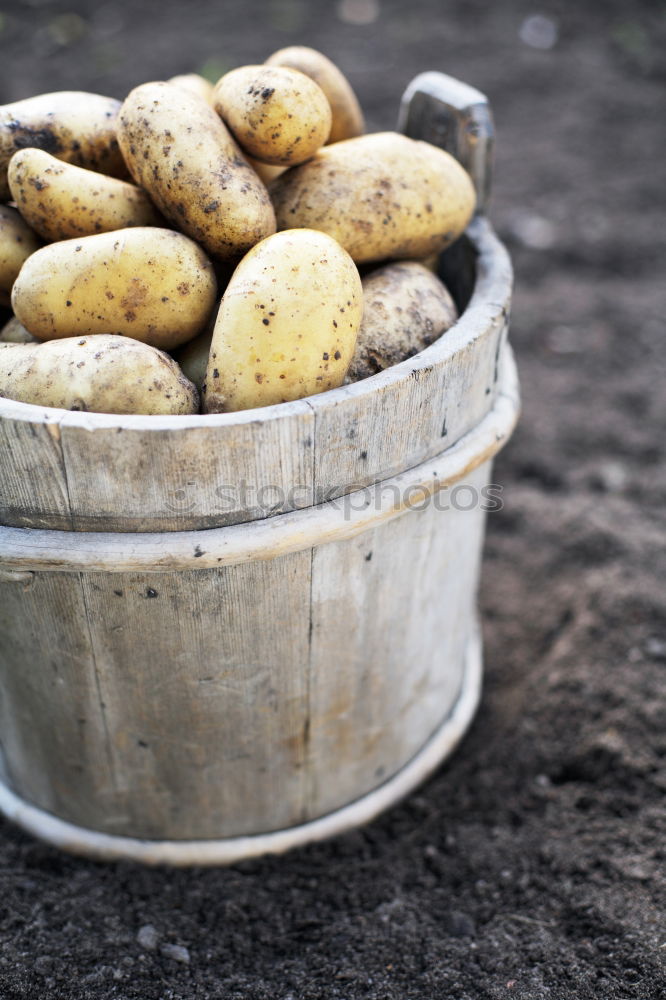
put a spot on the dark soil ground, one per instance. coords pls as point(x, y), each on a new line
point(532, 865)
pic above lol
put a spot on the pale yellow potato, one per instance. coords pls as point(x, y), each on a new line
point(405, 308)
point(381, 196)
point(194, 84)
point(14, 332)
point(346, 111)
point(102, 374)
point(71, 125)
point(17, 243)
point(61, 201)
point(193, 356)
point(152, 285)
point(278, 115)
point(287, 324)
point(180, 152)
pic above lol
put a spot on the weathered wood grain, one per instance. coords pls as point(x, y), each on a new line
point(52, 719)
point(205, 708)
point(217, 703)
point(404, 594)
point(33, 480)
point(227, 850)
point(211, 472)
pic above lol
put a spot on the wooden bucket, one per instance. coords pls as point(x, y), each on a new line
point(227, 635)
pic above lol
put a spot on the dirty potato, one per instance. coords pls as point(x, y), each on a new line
point(61, 201)
point(17, 243)
point(381, 196)
point(183, 155)
point(102, 374)
point(153, 285)
point(406, 307)
point(267, 171)
point(431, 262)
point(14, 332)
point(278, 115)
point(71, 125)
point(287, 324)
point(347, 117)
point(194, 84)
point(193, 356)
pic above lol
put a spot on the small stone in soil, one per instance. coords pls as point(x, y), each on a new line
point(176, 952)
point(148, 937)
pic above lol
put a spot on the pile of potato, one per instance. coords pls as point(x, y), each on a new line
point(125, 224)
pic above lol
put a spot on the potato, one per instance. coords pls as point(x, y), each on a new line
point(406, 307)
point(17, 243)
point(267, 171)
point(103, 374)
point(193, 356)
point(278, 115)
point(194, 84)
point(287, 324)
point(152, 285)
point(380, 196)
point(61, 201)
point(71, 125)
point(183, 155)
point(14, 332)
point(431, 262)
point(347, 115)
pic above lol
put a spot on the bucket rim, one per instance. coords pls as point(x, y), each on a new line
point(490, 298)
point(29, 550)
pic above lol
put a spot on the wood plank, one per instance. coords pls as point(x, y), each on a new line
point(33, 481)
point(203, 676)
point(52, 724)
point(392, 611)
point(365, 439)
point(204, 472)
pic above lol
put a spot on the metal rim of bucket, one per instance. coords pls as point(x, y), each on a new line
point(108, 847)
